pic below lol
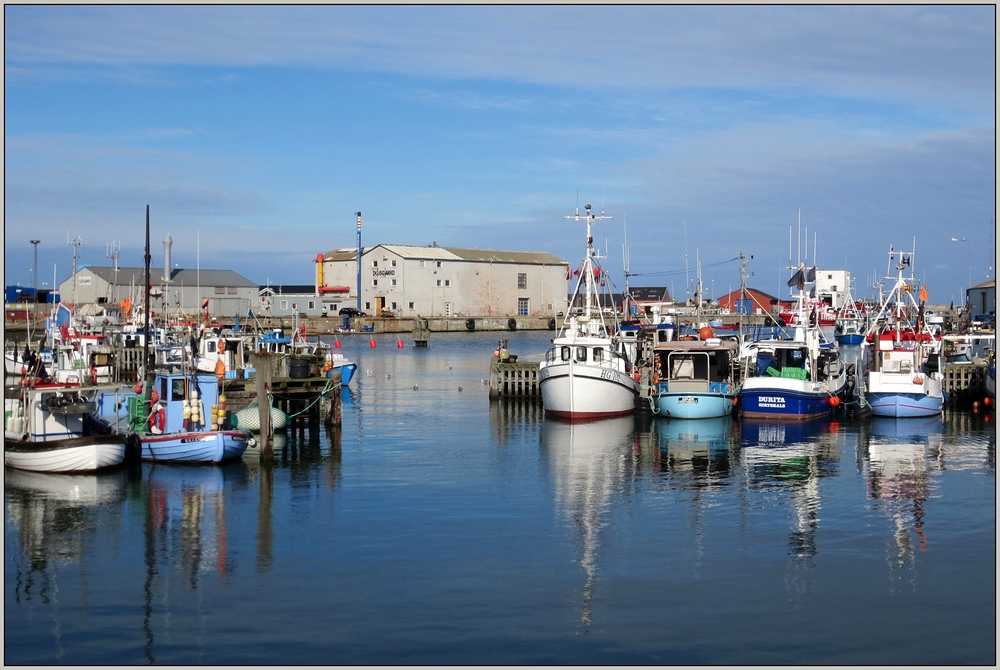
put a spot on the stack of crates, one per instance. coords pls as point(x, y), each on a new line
point(138, 413)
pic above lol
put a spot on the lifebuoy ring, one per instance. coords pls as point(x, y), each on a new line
point(470, 325)
point(918, 380)
point(552, 324)
point(157, 418)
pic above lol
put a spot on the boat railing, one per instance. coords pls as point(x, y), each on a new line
point(613, 360)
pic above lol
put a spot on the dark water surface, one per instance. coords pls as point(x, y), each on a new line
point(438, 528)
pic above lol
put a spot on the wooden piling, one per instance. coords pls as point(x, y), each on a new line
point(262, 364)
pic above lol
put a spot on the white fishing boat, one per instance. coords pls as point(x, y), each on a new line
point(584, 375)
point(903, 378)
point(53, 428)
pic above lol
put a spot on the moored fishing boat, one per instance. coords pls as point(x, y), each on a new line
point(796, 379)
point(695, 379)
point(178, 429)
point(53, 428)
point(903, 378)
point(584, 375)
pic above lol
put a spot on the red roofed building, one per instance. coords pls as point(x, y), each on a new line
point(754, 302)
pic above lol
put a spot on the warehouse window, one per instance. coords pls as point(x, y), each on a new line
point(522, 280)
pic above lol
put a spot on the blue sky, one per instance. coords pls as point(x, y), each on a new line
point(254, 133)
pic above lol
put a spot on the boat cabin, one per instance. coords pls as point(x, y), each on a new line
point(694, 365)
point(174, 389)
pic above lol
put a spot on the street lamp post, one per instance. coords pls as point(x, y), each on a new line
point(968, 255)
point(34, 280)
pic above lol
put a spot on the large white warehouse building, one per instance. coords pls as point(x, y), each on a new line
point(443, 281)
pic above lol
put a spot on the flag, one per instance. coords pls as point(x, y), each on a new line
point(811, 275)
point(798, 280)
point(923, 293)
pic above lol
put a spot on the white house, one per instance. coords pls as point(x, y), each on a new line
point(443, 281)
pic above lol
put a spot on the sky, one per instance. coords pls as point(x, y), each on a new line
point(815, 134)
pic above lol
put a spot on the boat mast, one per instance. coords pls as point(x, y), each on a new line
point(146, 366)
point(588, 263)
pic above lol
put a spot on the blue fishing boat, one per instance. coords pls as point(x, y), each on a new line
point(694, 379)
point(178, 429)
point(798, 378)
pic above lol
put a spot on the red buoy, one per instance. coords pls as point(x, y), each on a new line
point(371, 343)
point(399, 344)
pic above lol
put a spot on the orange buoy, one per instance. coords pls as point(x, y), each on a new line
point(834, 401)
point(220, 368)
point(705, 332)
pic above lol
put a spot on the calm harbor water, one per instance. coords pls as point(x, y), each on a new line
point(436, 527)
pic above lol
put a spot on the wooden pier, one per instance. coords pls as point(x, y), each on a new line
point(965, 382)
point(514, 380)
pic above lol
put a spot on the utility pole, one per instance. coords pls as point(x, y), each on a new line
point(359, 260)
point(113, 253)
point(77, 243)
point(34, 281)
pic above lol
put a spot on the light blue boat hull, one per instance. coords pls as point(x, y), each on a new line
point(682, 405)
point(904, 405)
point(211, 446)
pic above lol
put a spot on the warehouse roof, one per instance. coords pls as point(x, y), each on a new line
point(436, 253)
point(179, 276)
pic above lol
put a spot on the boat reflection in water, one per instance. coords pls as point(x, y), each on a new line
point(590, 462)
point(185, 529)
point(57, 518)
point(793, 457)
point(897, 458)
point(697, 449)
